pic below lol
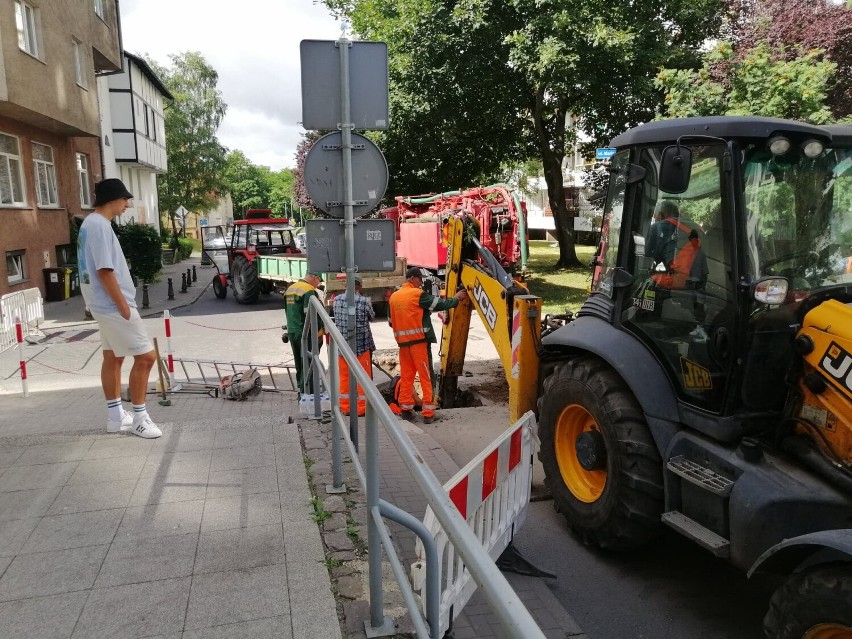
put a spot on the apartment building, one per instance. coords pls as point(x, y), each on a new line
point(51, 55)
point(134, 135)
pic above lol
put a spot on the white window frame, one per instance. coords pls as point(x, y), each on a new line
point(13, 165)
point(79, 63)
point(99, 9)
point(83, 175)
point(45, 178)
point(18, 273)
point(26, 22)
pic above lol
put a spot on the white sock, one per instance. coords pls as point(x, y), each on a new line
point(114, 410)
point(139, 412)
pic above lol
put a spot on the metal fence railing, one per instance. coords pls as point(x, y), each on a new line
point(515, 619)
point(26, 305)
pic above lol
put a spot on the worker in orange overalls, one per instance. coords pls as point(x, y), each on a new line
point(410, 308)
point(364, 344)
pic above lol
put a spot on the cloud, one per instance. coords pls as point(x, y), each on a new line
point(254, 46)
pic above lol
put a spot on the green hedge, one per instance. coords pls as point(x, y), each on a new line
point(185, 247)
point(141, 246)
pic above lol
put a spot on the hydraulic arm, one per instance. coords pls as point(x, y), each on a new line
point(508, 312)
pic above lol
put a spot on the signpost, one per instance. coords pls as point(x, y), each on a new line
point(604, 153)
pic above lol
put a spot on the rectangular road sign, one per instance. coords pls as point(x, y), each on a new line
point(368, 85)
point(604, 153)
point(375, 245)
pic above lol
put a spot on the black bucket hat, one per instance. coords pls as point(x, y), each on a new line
point(110, 189)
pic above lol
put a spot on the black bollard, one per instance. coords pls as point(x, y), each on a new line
point(171, 290)
point(194, 276)
point(188, 277)
point(183, 282)
point(145, 295)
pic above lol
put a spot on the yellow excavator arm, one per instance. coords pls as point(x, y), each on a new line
point(510, 315)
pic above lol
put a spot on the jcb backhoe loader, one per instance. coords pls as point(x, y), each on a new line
point(706, 383)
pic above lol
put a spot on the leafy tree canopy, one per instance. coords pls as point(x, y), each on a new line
point(762, 82)
point(196, 159)
point(478, 84)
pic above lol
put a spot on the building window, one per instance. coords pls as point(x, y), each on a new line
point(99, 9)
point(11, 177)
point(83, 175)
point(15, 261)
point(25, 20)
point(45, 174)
point(79, 63)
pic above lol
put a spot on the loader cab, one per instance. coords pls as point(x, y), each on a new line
point(718, 234)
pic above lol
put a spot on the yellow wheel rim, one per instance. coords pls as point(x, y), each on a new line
point(585, 485)
point(828, 631)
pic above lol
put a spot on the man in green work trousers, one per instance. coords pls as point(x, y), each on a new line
point(296, 302)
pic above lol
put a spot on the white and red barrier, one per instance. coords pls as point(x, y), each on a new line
point(19, 335)
point(170, 362)
point(26, 305)
point(492, 494)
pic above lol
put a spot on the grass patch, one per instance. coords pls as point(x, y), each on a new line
point(320, 514)
point(559, 289)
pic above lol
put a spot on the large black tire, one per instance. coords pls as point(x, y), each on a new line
point(617, 503)
point(219, 289)
point(815, 603)
point(244, 281)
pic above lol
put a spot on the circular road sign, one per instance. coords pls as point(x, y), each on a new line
point(324, 174)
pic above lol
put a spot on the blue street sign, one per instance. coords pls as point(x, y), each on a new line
point(604, 153)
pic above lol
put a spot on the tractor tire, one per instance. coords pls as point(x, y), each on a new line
point(610, 490)
point(219, 289)
point(813, 603)
point(244, 281)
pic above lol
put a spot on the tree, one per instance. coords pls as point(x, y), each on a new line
point(488, 80)
point(196, 159)
point(791, 28)
point(248, 184)
point(762, 82)
point(300, 191)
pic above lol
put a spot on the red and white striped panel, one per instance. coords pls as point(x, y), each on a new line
point(473, 489)
point(516, 343)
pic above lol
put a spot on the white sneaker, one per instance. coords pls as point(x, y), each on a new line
point(145, 428)
point(121, 425)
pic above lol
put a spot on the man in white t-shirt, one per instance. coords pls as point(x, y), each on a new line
point(108, 289)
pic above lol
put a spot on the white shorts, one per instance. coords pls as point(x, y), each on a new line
point(123, 336)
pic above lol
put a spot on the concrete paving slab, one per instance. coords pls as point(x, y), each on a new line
point(121, 445)
point(40, 476)
point(237, 548)
point(137, 610)
point(161, 520)
point(270, 628)
point(14, 534)
point(91, 471)
point(160, 462)
point(58, 532)
point(55, 453)
point(23, 504)
point(242, 511)
point(238, 595)
point(43, 617)
point(165, 489)
point(52, 573)
point(226, 483)
point(252, 456)
point(177, 440)
point(77, 498)
point(136, 560)
point(245, 436)
point(8, 456)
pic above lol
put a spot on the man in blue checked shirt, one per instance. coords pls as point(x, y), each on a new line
point(364, 343)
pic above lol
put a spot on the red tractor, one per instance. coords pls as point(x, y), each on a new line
point(257, 235)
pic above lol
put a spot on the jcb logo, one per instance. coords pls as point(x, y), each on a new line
point(485, 305)
point(695, 377)
point(837, 362)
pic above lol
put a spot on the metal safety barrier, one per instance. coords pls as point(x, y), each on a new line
point(27, 305)
point(515, 620)
point(492, 492)
point(210, 371)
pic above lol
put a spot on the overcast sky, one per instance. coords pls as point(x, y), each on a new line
point(254, 46)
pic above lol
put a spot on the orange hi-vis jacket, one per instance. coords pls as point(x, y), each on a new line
point(680, 267)
point(407, 316)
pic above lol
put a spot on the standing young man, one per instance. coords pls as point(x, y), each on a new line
point(297, 299)
point(410, 308)
point(111, 297)
point(364, 343)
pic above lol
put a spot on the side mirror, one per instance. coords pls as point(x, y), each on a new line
point(675, 169)
point(770, 290)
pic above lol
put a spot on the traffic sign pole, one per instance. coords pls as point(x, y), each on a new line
point(349, 228)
